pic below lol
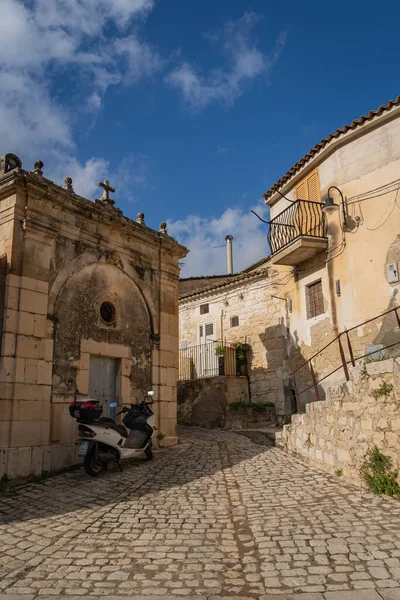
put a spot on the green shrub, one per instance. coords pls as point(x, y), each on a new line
point(240, 350)
point(378, 474)
point(383, 390)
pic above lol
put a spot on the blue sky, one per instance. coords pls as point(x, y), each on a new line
point(191, 109)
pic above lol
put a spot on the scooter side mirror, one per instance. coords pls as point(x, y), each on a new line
point(113, 404)
point(151, 394)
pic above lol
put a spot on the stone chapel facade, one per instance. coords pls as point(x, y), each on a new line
point(88, 307)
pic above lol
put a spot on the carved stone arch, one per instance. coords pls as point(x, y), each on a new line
point(86, 259)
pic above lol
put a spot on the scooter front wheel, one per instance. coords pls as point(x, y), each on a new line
point(92, 466)
point(149, 453)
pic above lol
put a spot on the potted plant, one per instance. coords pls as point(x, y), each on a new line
point(241, 350)
point(219, 351)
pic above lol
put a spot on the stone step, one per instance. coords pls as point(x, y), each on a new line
point(265, 436)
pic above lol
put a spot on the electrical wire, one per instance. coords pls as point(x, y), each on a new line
point(286, 198)
point(258, 217)
point(387, 218)
point(374, 192)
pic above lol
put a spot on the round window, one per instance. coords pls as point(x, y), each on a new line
point(107, 312)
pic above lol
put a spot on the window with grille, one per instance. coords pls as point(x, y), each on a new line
point(234, 321)
point(204, 309)
point(315, 299)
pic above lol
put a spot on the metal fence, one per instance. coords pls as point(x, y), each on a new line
point(302, 218)
point(210, 360)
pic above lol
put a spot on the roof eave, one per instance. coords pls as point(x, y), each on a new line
point(337, 139)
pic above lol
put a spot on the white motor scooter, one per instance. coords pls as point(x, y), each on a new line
point(102, 440)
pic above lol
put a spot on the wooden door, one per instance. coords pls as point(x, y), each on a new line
point(102, 382)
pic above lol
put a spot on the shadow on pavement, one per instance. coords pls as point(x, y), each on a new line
point(197, 456)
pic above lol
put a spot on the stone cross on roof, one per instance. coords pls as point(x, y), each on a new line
point(106, 190)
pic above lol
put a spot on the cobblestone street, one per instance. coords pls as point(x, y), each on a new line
point(215, 517)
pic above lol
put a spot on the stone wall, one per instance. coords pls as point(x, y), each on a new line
point(336, 433)
point(203, 402)
point(206, 403)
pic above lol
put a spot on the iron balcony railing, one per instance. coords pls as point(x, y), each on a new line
point(302, 218)
point(210, 360)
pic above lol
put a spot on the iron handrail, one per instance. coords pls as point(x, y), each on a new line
point(344, 363)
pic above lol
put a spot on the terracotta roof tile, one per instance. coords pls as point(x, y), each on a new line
point(225, 283)
point(318, 147)
point(256, 265)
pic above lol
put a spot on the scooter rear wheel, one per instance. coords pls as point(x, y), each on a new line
point(92, 466)
point(149, 453)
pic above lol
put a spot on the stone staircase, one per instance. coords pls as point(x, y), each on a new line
point(335, 434)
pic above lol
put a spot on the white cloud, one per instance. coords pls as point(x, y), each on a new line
point(29, 118)
point(85, 42)
point(201, 235)
point(142, 59)
point(89, 16)
point(244, 62)
point(85, 176)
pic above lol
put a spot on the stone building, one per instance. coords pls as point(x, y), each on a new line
point(241, 308)
point(88, 307)
point(335, 222)
point(334, 259)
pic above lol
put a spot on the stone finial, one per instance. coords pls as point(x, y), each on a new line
point(38, 166)
point(68, 184)
point(163, 227)
point(140, 219)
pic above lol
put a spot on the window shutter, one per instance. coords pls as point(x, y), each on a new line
point(313, 187)
point(201, 331)
point(307, 220)
point(209, 329)
point(301, 191)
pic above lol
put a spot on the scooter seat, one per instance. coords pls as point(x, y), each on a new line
point(112, 425)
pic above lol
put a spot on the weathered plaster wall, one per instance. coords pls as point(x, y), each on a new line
point(260, 325)
point(335, 434)
point(77, 317)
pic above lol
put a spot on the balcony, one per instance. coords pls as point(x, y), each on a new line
point(298, 233)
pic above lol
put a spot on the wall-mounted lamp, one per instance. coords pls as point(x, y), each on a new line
point(329, 205)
